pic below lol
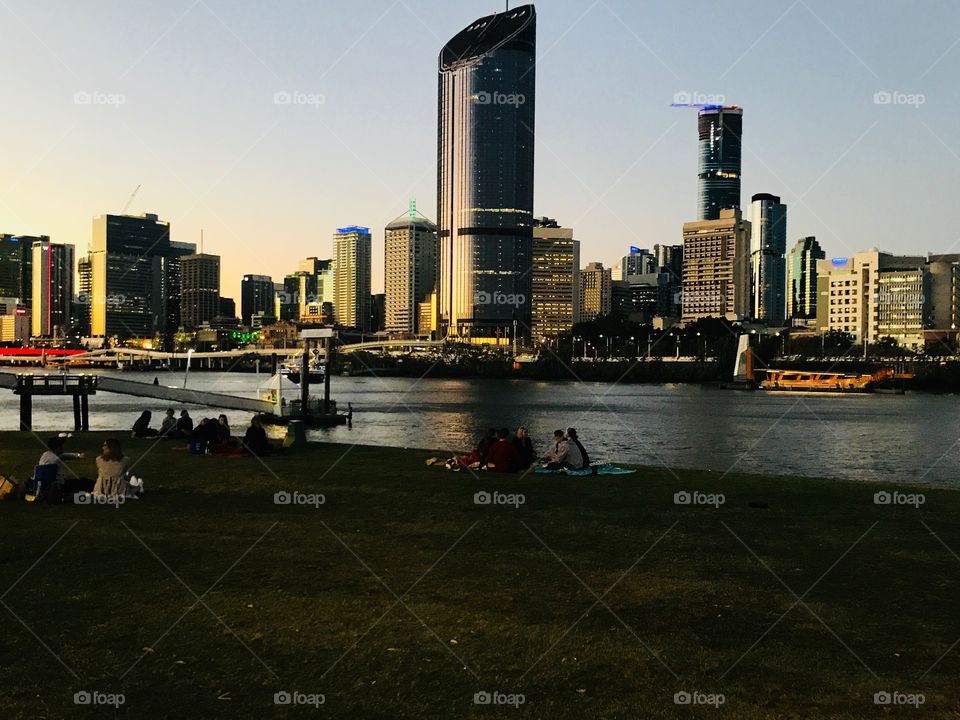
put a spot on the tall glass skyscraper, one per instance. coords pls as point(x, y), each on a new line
point(485, 177)
point(802, 278)
point(768, 245)
point(718, 186)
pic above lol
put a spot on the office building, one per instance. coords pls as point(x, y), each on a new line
point(595, 292)
point(716, 268)
point(16, 258)
point(802, 279)
point(351, 277)
point(943, 304)
point(227, 309)
point(641, 297)
point(410, 271)
point(485, 150)
point(639, 262)
point(52, 305)
point(200, 289)
point(130, 292)
point(719, 130)
point(555, 305)
point(256, 296)
point(669, 260)
point(768, 246)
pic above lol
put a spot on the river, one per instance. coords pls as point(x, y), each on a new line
point(880, 437)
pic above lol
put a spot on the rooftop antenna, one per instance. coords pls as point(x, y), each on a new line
point(201, 241)
point(413, 208)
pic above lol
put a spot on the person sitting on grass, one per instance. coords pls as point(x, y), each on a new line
point(112, 466)
point(223, 430)
point(503, 455)
point(184, 426)
point(255, 440)
point(559, 452)
point(524, 445)
point(169, 423)
point(54, 454)
point(141, 428)
point(577, 453)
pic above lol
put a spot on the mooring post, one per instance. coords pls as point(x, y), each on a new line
point(84, 412)
point(76, 412)
point(26, 403)
point(327, 368)
point(305, 378)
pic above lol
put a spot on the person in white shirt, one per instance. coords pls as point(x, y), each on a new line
point(54, 454)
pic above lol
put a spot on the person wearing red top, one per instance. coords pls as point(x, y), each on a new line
point(503, 455)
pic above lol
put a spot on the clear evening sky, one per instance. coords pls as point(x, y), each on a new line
point(179, 96)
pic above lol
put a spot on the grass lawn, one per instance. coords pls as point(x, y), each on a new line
point(399, 597)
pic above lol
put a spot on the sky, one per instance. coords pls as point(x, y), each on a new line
point(269, 125)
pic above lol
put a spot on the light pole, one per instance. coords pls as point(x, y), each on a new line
point(187, 372)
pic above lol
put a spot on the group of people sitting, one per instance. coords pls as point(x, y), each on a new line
point(210, 435)
point(500, 452)
point(113, 472)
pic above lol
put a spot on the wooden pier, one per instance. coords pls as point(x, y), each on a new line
point(80, 387)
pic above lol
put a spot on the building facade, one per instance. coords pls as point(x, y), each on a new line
point(768, 247)
point(52, 305)
point(595, 291)
point(802, 279)
point(555, 305)
point(129, 276)
point(351, 278)
point(716, 267)
point(200, 289)
point(256, 296)
point(485, 151)
point(410, 271)
point(16, 260)
point(719, 130)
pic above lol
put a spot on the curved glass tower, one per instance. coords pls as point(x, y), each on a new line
point(718, 185)
point(485, 141)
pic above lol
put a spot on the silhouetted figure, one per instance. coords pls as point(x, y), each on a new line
point(141, 428)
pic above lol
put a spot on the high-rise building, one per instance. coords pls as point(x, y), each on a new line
point(171, 265)
point(16, 257)
point(874, 295)
point(595, 292)
point(256, 296)
point(351, 276)
point(768, 245)
point(670, 261)
point(640, 261)
point(227, 308)
point(378, 309)
point(718, 185)
point(81, 313)
point(944, 296)
point(410, 271)
point(802, 279)
point(52, 288)
point(716, 267)
point(130, 276)
point(555, 303)
point(485, 148)
point(200, 289)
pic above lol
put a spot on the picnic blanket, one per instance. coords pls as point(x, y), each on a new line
point(606, 469)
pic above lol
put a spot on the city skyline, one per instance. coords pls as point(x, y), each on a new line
point(230, 159)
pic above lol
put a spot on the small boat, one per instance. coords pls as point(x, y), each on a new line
point(830, 382)
point(291, 371)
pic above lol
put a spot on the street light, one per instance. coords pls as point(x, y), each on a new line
point(185, 374)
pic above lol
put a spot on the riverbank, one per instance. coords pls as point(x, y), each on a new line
point(398, 596)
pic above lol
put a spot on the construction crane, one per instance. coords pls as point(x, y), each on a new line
point(130, 200)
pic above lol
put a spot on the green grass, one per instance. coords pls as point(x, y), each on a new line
point(297, 598)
